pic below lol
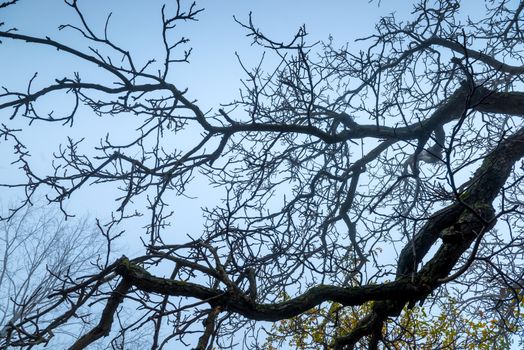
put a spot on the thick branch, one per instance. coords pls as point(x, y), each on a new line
point(480, 99)
point(477, 55)
point(458, 225)
point(239, 303)
point(103, 327)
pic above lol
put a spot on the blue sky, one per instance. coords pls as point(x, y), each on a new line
point(212, 76)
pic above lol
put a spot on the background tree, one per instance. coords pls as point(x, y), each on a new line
point(39, 253)
point(386, 178)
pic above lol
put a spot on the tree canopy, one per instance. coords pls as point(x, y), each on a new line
point(375, 181)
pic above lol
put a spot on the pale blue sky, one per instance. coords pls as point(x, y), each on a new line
point(213, 76)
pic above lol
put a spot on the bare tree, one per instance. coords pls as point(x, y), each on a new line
point(388, 176)
point(39, 249)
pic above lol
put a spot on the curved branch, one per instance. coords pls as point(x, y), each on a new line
point(59, 46)
point(103, 327)
point(474, 54)
point(459, 225)
point(240, 303)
